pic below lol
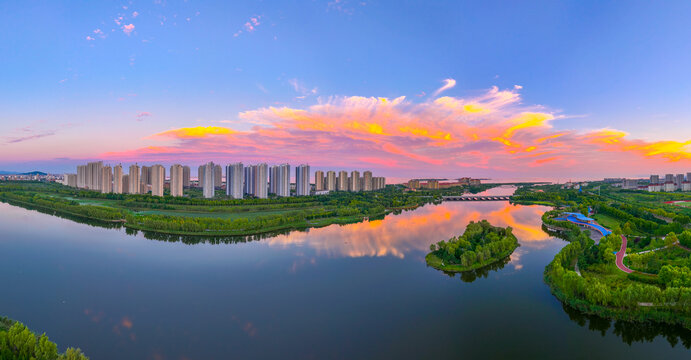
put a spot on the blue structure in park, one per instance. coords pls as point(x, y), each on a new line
point(582, 220)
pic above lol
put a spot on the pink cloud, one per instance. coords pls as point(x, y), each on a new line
point(127, 29)
point(488, 133)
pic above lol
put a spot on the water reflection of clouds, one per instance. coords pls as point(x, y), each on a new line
point(414, 231)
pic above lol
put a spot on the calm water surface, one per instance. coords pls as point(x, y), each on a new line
point(344, 292)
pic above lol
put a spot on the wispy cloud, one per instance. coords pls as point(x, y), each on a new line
point(448, 84)
point(143, 114)
point(301, 88)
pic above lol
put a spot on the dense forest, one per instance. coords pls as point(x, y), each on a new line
point(17, 342)
point(481, 244)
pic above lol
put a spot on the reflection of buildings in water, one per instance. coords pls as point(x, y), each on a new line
point(398, 235)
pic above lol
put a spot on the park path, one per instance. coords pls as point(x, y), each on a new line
point(620, 256)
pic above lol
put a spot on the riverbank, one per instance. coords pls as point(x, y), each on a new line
point(591, 277)
point(192, 216)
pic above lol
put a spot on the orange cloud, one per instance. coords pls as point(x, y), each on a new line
point(435, 137)
point(196, 132)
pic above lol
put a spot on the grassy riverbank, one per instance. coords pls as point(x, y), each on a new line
point(220, 216)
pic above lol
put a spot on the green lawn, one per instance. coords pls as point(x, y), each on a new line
point(607, 221)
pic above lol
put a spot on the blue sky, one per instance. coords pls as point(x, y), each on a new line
point(188, 63)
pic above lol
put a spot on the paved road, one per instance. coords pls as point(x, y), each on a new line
point(620, 256)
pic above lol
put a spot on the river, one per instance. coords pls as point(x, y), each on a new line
point(343, 292)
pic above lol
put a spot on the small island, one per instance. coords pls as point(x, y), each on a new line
point(480, 245)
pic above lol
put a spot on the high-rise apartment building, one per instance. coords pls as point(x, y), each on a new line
point(331, 180)
point(176, 180)
point(218, 176)
point(669, 178)
point(367, 181)
point(125, 184)
point(90, 175)
point(319, 183)
point(354, 181)
point(134, 186)
point(234, 180)
point(248, 176)
point(261, 181)
point(378, 182)
point(678, 180)
point(342, 181)
point(654, 179)
point(158, 177)
point(200, 176)
point(302, 180)
point(208, 181)
point(106, 179)
point(185, 176)
point(117, 179)
point(145, 176)
point(69, 180)
point(81, 176)
point(279, 180)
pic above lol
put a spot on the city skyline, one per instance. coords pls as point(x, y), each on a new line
point(255, 88)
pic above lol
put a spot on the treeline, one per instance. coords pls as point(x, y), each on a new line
point(480, 244)
point(209, 225)
point(641, 221)
point(17, 342)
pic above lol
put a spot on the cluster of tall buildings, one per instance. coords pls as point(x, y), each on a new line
point(342, 181)
point(139, 180)
point(258, 180)
point(668, 183)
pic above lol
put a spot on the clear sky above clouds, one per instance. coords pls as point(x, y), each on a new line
point(500, 89)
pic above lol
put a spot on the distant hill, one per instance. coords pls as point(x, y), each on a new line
point(18, 173)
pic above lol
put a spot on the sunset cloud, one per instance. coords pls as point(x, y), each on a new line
point(490, 131)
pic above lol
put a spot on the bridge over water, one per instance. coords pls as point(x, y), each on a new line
point(477, 198)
